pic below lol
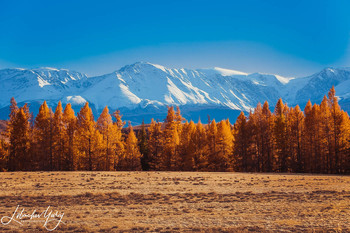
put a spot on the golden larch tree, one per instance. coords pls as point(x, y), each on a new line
point(242, 156)
point(170, 156)
point(58, 137)
point(155, 145)
point(224, 146)
point(200, 147)
point(89, 140)
point(118, 141)
point(43, 134)
point(267, 152)
point(131, 161)
point(105, 126)
point(296, 124)
point(186, 148)
point(282, 155)
point(212, 150)
point(143, 146)
point(307, 139)
point(255, 123)
point(325, 143)
point(69, 160)
point(19, 130)
point(339, 133)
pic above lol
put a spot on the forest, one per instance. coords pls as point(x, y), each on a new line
point(316, 140)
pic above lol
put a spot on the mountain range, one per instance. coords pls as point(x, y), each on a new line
point(144, 90)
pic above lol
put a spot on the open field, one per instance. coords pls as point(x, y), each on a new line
point(179, 201)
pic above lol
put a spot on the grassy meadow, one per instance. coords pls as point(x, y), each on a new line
point(178, 201)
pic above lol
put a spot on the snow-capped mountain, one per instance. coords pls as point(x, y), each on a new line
point(38, 84)
point(146, 84)
point(143, 90)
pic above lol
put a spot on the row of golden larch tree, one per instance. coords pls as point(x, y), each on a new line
point(316, 140)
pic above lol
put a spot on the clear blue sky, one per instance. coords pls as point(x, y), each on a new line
point(291, 38)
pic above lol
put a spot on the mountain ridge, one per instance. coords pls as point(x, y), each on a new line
point(146, 88)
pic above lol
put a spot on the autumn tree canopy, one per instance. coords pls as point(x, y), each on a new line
point(315, 140)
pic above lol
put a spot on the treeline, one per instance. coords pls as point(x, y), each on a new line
point(286, 140)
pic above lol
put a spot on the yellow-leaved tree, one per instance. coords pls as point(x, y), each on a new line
point(89, 140)
point(69, 161)
point(171, 159)
point(339, 125)
point(212, 149)
point(308, 137)
point(296, 124)
point(281, 137)
point(131, 161)
point(143, 146)
point(43, 136)
point(118, 142)
point(186, 147)
point(224, 159)
point(19, 136)
point(242, 158)
point(58, 137)
point(155, 146)
point(199, 148)
point(105, 126)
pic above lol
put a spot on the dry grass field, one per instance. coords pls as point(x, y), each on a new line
point(178, 201)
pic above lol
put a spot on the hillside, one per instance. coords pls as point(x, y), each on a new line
point(143, 90)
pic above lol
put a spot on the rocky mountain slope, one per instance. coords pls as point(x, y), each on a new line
point(143, 90)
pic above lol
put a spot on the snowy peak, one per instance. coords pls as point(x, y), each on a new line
point(146, 82)
point(142, 67)
point(45, 76)
point(144, 85)
point(55, 75)
point(317, 85)
point(38, 84)
point(221, 72)
point(227, 72)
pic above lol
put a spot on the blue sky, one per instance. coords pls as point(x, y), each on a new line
point(291, 38)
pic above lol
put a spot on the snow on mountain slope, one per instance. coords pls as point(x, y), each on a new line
point(39, 84)
point(142, 83)
point(222, 71)
point(146, 87)
point(318, 85)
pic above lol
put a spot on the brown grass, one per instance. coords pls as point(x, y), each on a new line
point(180, 201)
